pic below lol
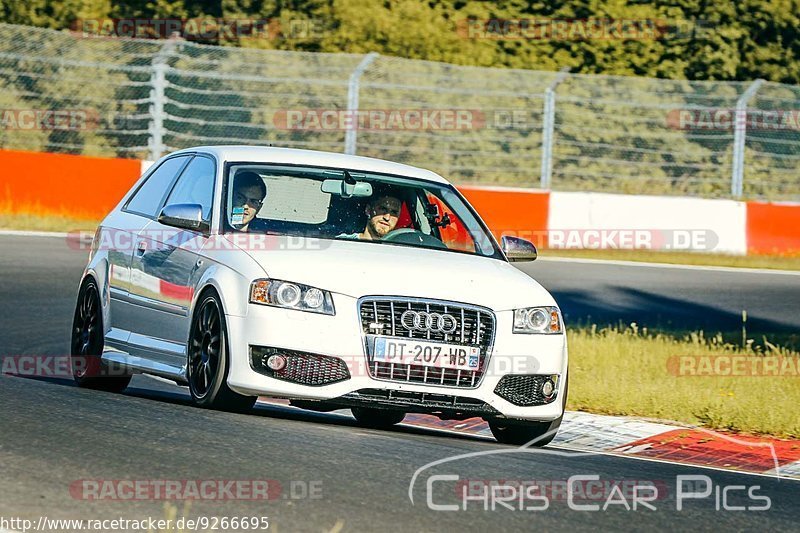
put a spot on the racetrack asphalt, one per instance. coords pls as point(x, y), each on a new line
point(54, 434)
point(672, 297)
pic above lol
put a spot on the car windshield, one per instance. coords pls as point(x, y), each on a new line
point(351, 205)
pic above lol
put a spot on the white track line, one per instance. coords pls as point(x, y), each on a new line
point(611, 453)
point(736, 270)
point(20, 233)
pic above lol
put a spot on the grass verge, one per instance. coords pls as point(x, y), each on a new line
point(627, 371)
point(30, 222)
point(778, 262)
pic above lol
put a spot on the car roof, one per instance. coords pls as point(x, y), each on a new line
point(268, 154)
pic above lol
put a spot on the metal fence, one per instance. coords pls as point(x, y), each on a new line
point(142, 98)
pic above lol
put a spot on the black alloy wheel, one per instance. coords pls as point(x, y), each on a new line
point(87, 344)
point(208, 362)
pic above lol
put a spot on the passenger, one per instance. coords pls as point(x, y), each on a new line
point(383, 212)
point(249, 193)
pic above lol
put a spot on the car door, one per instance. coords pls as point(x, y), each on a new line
point(164, 261)
point(119, 233)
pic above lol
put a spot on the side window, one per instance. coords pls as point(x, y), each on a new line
point(196, 186)
point(148, 197)
point(454, 234)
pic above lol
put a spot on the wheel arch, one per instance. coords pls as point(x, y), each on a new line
point(100, 279)
point(231, 287)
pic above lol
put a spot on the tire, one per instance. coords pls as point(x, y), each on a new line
point(377, 418)
point(207, 359)
point(87, 341)
point(519, 433)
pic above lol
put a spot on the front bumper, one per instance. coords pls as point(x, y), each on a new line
point(341, 336)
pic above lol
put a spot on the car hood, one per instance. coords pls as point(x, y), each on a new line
point(359, 268)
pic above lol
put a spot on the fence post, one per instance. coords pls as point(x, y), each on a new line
point(548, 126)
point(352, 102)
point(739, 135)
point(158, 82)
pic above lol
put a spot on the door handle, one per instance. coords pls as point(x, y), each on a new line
point(141, 247)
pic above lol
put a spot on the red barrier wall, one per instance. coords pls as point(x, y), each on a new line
point(518, 212)
point(60, 184)
point(773, 228)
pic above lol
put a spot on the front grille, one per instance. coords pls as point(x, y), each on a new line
point(424, 402)
point(301, 367)
point(380, 316)
point(524, 390)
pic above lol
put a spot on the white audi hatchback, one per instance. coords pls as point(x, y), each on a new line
point(331, 280)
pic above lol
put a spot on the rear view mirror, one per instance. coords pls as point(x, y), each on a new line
point(347, 190)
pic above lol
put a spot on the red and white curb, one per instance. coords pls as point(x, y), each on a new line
point(642, 439)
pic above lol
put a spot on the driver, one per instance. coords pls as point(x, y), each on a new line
point(383, 212)
point(249, 192)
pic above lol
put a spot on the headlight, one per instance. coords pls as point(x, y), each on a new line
point(544, 320)
point(291, 296)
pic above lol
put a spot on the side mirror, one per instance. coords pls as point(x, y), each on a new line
point(517, 249)
point(185, 216)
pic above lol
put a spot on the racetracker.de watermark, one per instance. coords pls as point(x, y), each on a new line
point(155, 240)
point(576, 29)
point(69, 119)
point(560, 490)
point(22, 119)
point(194, 489)
point(162, 240)
point(443, 361)
point(772, 366)
point(420, 119)
point(620, 239)
point(721, 119)
point(203, 29)
point(57, 366)
point(175, 489)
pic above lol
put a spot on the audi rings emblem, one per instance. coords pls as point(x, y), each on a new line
point(433, 322)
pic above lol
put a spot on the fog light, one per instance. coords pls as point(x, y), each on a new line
point(276, 362)
point(547, 387)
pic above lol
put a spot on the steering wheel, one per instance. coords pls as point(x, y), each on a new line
point(412, 236)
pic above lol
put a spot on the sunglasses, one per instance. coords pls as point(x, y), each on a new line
point(240, 199)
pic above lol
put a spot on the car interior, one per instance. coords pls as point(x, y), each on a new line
point(345, 216)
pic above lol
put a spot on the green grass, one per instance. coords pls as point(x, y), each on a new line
point(683, 258)
point(624, 371)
